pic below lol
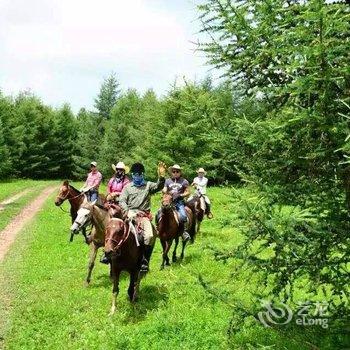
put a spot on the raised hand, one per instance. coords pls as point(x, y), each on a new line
point(161, 169)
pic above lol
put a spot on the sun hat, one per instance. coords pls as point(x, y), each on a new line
point(201, 170)
point(121, 165)
point(175, 167)
point(93, 163)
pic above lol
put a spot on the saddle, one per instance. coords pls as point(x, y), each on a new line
point(137, 222)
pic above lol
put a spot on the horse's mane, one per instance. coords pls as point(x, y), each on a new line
point(73, 188)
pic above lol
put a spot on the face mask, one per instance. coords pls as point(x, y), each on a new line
point(119, 173)
point(138, 179)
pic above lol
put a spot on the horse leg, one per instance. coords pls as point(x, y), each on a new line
point(166, 247)
point(133, 285)
point(174, 252)
point(92, 259)
point(115, 290)
point(83, 231)
point(198, 226)
point(183, 249)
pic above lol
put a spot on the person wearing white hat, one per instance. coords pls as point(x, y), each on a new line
point(179, 188)
point(117, 182)
point(200, 184)
point(92, 183)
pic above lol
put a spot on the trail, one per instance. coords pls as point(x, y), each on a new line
point(13, 198)
point(9, 233)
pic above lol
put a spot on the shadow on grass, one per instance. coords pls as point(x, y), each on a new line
point(149, 298)
point(105, 281)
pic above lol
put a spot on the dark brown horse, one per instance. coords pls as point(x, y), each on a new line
point(75, 198)
point(197, 204)
point(125, 254)
point(169, 228)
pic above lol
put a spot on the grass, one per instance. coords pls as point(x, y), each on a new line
point(8, 189)
point(11, 187)
point(47, 307)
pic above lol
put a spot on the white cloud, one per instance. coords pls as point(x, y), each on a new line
point(62, 49)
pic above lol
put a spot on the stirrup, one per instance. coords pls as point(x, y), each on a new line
point(185, 236)
point(144, 267)
point(210, 215)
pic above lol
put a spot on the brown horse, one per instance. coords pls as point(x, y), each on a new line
point(198, 207)
point(125, 254)
point(169, 228)
point(75, 198)
point(99, 217)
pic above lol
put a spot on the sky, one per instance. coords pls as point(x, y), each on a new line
point(63, 49)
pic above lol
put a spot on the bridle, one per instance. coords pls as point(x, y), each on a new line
point(66, 196)
point(120, 242)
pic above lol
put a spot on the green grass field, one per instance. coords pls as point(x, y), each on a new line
point(46, 305)
point(9, 189)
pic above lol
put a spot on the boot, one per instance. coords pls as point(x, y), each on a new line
point(208, 212)
point(104, 259)
point(147, 252)
point(185, 235)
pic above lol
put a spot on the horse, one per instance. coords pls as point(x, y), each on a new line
point(197, 204)
point(125, 254)
point(75, 198)
point(169, 228)
point(99, 217)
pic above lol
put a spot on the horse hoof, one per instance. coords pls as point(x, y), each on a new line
point(111, 313)
point(86, 284)
point(161, 267)
point(174, 258)
point(167, 263)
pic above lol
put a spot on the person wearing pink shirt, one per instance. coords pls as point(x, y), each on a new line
point(117, 182)
point(92, 183)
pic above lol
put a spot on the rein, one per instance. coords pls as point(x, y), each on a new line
point(65, 211)
point(123, 239)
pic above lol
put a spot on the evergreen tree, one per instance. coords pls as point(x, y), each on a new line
point(5, 162)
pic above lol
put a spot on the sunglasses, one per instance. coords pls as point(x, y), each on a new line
point(176, 171)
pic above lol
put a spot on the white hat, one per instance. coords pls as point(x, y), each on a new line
point(176, 167)
point(120, 165)
point(201, 170)
point(93, 163)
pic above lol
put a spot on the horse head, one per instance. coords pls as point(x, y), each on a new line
point(84, 216)
point(167, 201)
point(117, 232)
point(63, 193)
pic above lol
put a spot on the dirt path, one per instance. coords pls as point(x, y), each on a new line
point(13, 198)
point(9, 233)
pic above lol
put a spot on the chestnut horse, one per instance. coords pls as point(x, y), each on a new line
point(125, 254)
point(75, 198)
point(169, 228)
point(99, 217)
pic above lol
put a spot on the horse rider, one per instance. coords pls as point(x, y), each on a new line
point(92, 183)
point(179, 188)
point(117, 182)
point(135, 201)
point(200, 184)
point(114, 188)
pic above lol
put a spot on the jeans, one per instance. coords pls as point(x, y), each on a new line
point(92, 195)
point(180, 207)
